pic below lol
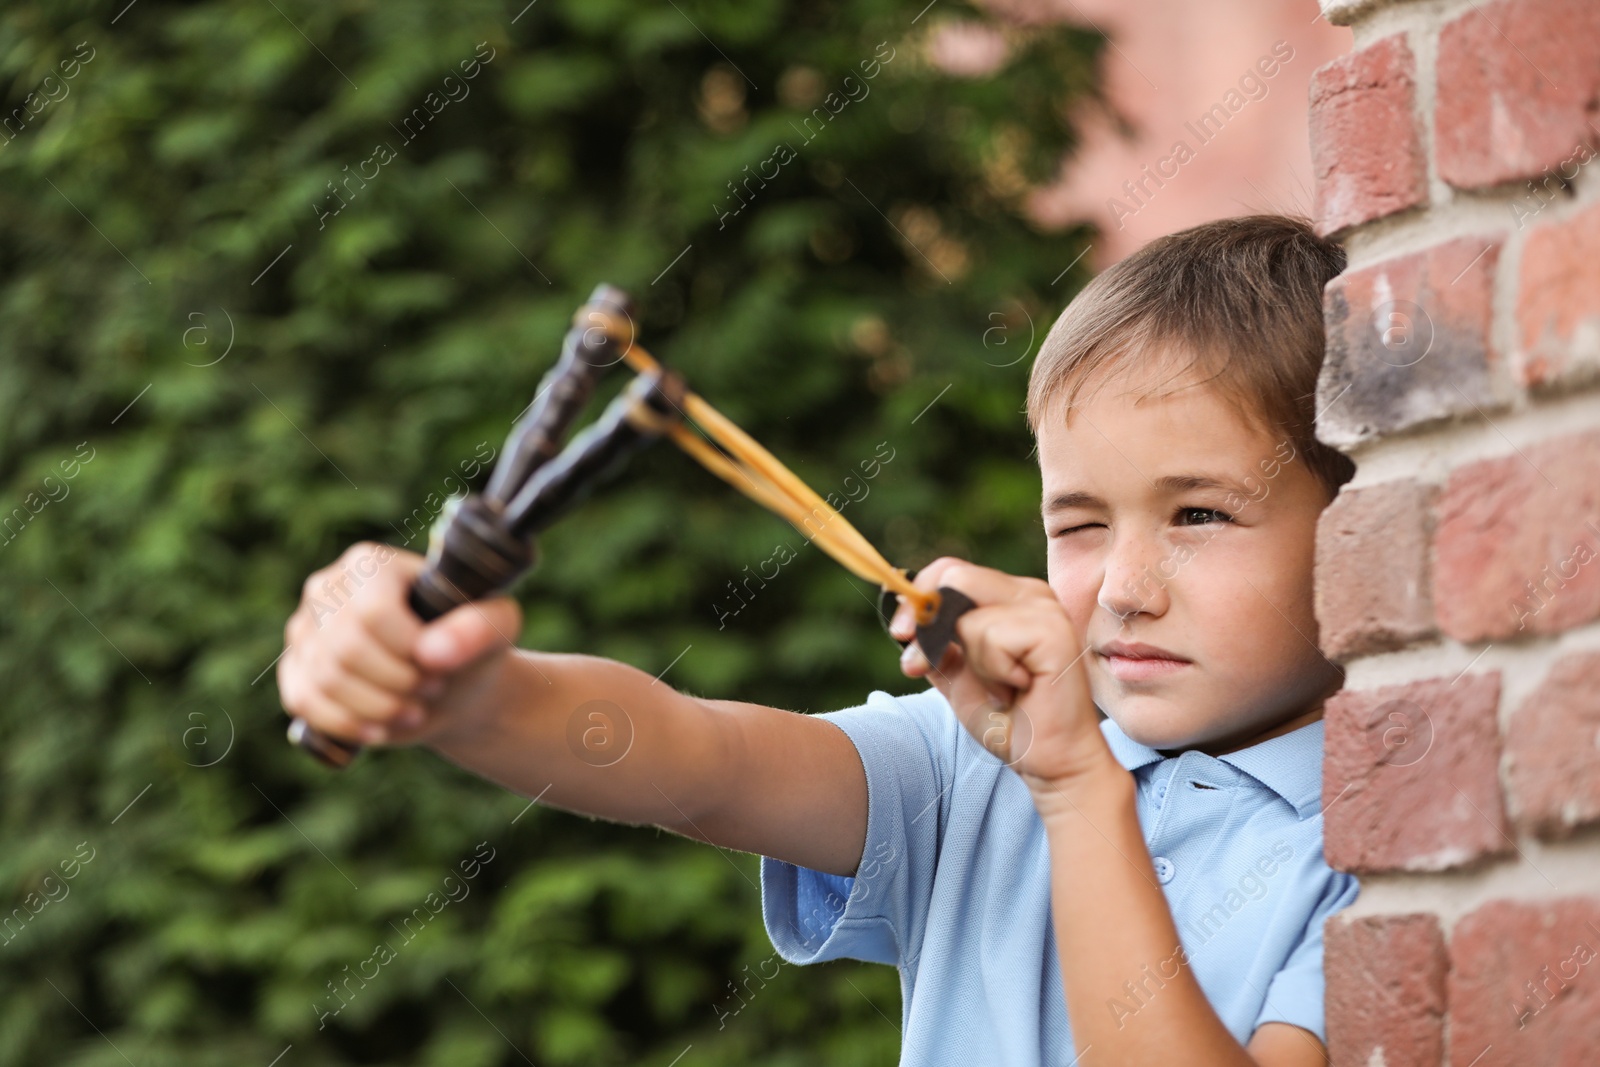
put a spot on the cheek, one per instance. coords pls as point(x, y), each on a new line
point(1252, 604)
point(1283, 574)
point(1077, 590)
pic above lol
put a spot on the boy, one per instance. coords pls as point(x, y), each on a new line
point(1157, 876)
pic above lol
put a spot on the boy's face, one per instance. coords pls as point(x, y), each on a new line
point(1144, 550)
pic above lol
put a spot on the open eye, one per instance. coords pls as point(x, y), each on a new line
point(1201, 516)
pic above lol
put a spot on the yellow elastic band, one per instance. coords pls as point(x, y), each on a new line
point(759, 475)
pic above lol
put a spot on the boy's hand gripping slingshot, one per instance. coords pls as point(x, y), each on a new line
point(484, 542)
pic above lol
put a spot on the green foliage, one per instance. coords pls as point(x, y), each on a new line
point(225, 358)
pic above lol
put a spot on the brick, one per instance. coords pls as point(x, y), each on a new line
point(1517, 82)
point(1524, 984)
point(1553, 744)
point(1366, 147)
point(1516, 541)
point(1385, 994)
point(1558, 300)
point(1408, 342)
point(1372, 569)
point(1410, 776)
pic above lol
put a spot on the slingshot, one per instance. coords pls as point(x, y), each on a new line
point(484, 542)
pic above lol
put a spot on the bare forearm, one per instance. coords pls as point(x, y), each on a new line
point(1130, 991)
point(591, 735)
point(602, 738)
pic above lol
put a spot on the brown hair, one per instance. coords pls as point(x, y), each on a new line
point(1241, 296)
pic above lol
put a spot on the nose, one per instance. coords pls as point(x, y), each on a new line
point(1133, 581)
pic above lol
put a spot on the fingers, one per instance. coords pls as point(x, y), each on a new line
point(985, 585)
point(914, 664)
point(985, 701)
point(1000, 675)
point(370, 582)
point(1013, 643)
point(987, 710)
point(347, 667)
point(362, 656)
point(1003, 648)
point(355, 694)
point(992, 712)
point(963, 687)
point(902, 625)
point(333, 714)
point(467, 633)
point(330, 718)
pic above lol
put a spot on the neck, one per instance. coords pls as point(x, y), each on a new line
point(1234, 742)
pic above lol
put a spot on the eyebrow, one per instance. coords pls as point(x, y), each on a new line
point(1064, 501)
point(1170, 484)
point(1183, 483)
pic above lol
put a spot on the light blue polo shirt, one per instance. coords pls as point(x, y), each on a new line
point(954, 886)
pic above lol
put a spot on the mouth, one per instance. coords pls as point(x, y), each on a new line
point(1137, 662)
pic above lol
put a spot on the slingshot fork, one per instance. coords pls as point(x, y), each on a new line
point(483, 543)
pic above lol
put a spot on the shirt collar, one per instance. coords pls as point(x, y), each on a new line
point(1130, 753)
point(1289, 764)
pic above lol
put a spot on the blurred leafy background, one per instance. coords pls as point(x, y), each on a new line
point(259, 380)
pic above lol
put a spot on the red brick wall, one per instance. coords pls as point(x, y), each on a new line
point(1455, 152)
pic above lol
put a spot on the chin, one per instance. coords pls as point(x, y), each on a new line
point(1158, 722)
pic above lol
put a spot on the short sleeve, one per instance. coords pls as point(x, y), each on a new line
point(1296, 992)
point(907, 749)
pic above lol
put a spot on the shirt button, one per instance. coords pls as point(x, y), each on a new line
point(1164, 869)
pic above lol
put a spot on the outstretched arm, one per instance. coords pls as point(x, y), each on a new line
point(600, 737)
point(579, 732)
